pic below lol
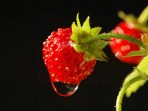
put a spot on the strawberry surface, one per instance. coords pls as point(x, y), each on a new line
point(122, 47)
point(63, 62)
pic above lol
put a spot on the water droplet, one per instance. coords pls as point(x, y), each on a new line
point(64, 89)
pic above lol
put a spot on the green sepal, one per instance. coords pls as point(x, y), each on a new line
point(130, 18)
point(82, 37)
point(143, 18)
point(140, 22)
point(94, 31)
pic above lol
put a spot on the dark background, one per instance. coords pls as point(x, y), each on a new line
point(25, 84)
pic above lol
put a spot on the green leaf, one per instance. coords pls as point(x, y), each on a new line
point(143, 67)
point(134, 87)
point(123, 91)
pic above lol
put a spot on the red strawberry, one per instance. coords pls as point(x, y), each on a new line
point(63, 62)
point(69, 55)
point(132, 27)
point(122, 47)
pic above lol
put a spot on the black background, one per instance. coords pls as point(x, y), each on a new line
point(25, 84)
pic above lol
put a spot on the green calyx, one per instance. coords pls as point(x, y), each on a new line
point(82, 35)
point(140, 23)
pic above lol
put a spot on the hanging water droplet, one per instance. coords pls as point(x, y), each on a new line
point(64, 89)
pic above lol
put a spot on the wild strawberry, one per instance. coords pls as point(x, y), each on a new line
point(63, 62)
point(70, 55)
point(133, 27)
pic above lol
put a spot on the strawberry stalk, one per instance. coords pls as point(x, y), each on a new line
point(133, 81)
point(121, 36)
point(108, 36)
point(123, 91)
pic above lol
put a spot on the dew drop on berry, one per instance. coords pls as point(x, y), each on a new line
point(64, 89)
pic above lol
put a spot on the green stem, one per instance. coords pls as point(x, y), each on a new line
point(143, 18)
point(107, 36)
point(123, 90)
point(121, 36)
